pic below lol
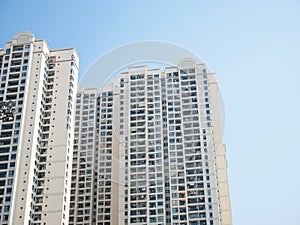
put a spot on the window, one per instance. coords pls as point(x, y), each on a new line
point(6, 208)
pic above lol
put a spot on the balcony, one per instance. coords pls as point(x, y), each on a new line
point(18, 48)
point(12, 90)
point(40, 191)
point(14, 76)
point(13, 83)
point(15, 70)
point(17, 55)
point(37, 217)
point(41, 166)
point(5, 134)
point(15, 63)
point(5, 142)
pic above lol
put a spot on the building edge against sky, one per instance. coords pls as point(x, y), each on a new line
point(158, 129)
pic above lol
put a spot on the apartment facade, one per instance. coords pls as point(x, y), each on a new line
point(84, 179)
point(95, 184)
point(159, 156)
point(173, 151)
point(36, 148)
point(145, 149)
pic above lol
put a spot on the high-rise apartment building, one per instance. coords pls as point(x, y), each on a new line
point(159, 156)
point(36, 148)
point(145, 149)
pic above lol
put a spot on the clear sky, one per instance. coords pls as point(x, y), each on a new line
point(253, 46)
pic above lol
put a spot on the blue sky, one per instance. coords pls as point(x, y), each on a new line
point(253, 46)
